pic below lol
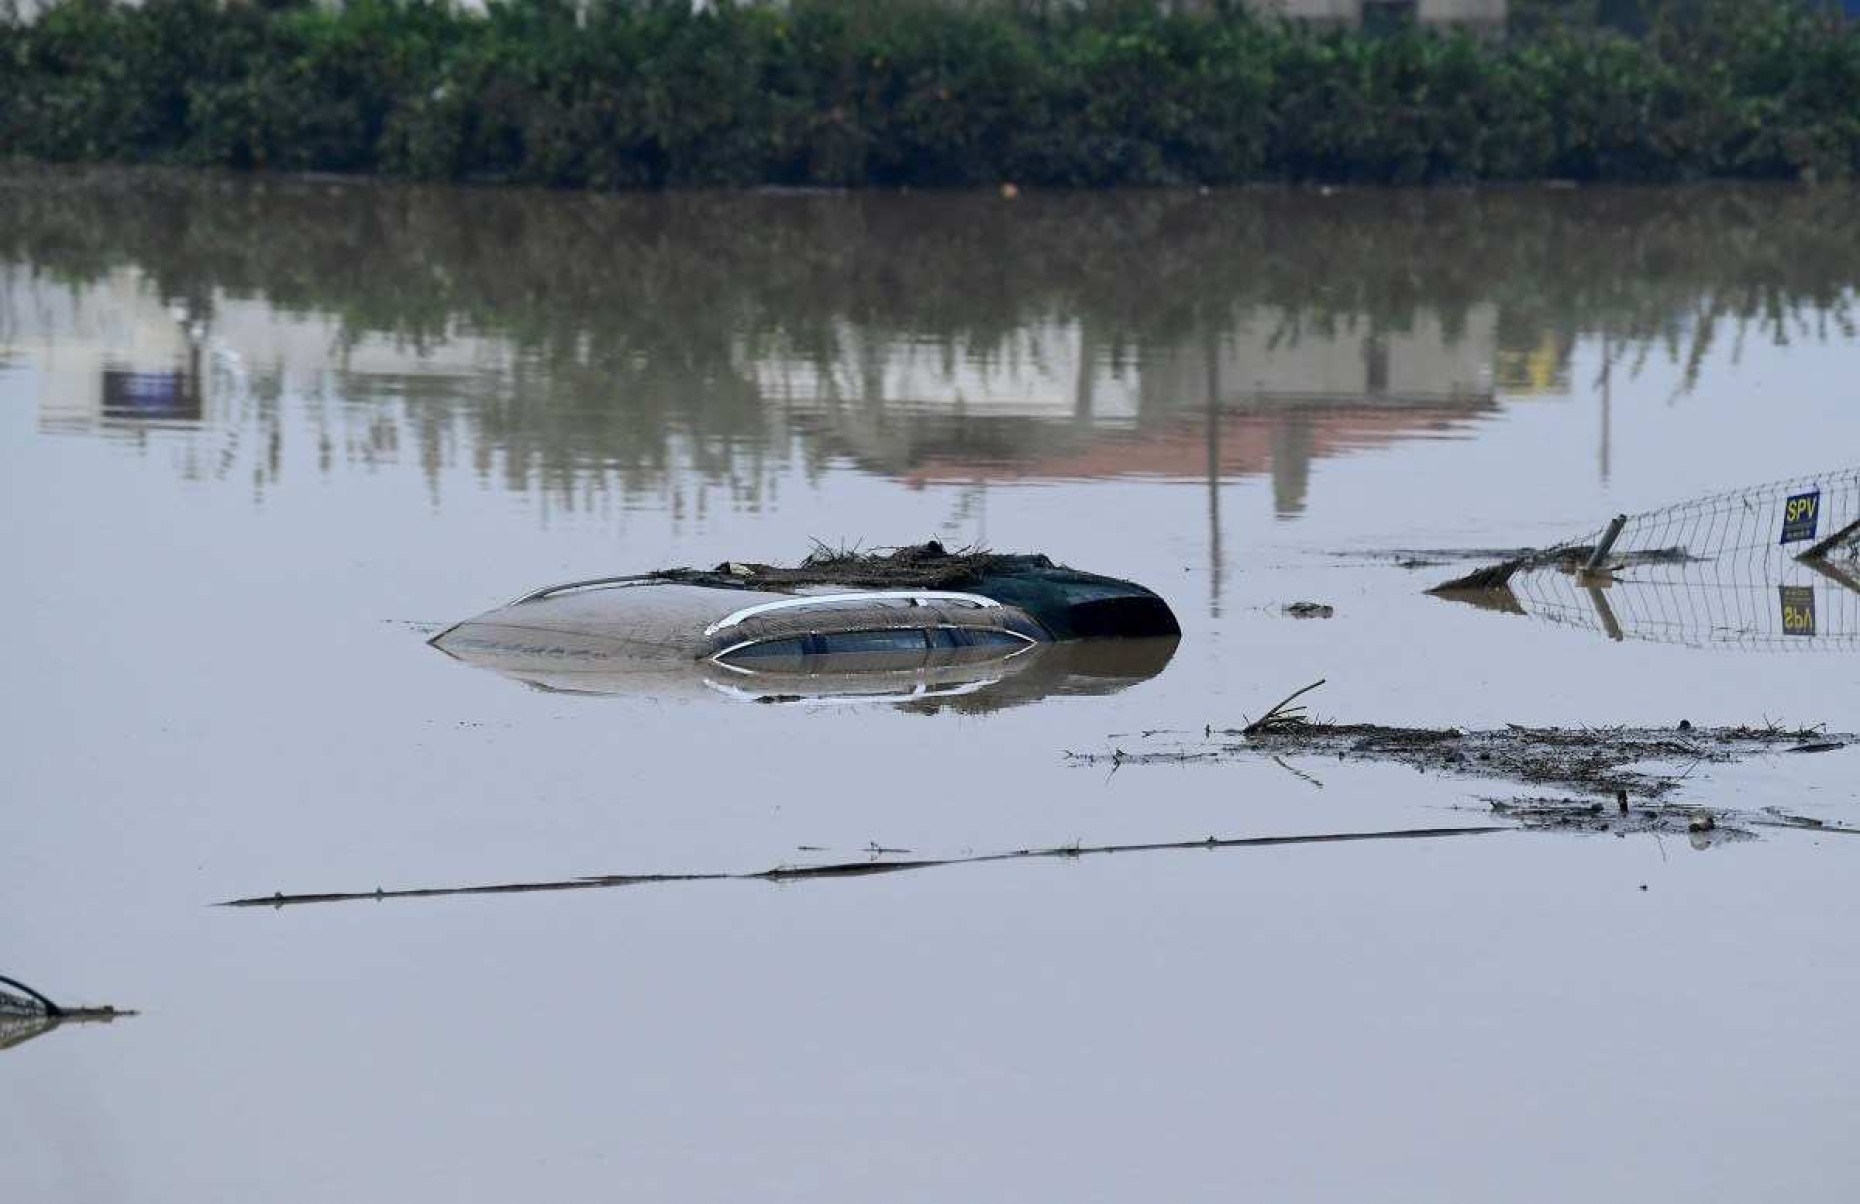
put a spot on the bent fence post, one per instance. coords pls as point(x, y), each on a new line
point(1600, 556)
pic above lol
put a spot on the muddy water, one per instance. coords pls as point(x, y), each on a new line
point(258, 439)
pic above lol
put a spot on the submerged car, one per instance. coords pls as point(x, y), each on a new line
point(891, 628)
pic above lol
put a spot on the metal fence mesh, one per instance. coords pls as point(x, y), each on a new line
point(1703, 605)
point(1719, 571)
point(1752, 520)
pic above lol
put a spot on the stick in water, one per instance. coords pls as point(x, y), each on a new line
point(1279, 714)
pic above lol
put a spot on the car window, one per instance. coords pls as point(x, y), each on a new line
point(909, 639)
point(838, 643)
point(985, 638)
point(767, 650)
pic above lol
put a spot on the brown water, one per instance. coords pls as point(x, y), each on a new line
point(258, 439)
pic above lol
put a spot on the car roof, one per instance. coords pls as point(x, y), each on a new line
point(652, 620)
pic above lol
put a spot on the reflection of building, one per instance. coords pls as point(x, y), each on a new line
point(112, 354)
point(108, 353)
point(1265, 394)
point(1267, 356)
point(1044, 371)
point(1268, 391)
point(1288, 393)
point(894, 404)
point(1541, 368)
point(1245, 441)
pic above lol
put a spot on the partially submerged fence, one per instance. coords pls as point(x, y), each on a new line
point(1814, 517)
point(1772, 567)
point(1704, 606)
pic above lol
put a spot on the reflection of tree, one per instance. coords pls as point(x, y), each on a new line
point(631, 320)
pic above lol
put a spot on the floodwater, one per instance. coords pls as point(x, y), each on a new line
point(258, 438)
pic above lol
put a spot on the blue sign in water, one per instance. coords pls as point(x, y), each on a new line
point(1800, 515)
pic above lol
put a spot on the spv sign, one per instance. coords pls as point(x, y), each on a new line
point(1798, 610)
point(1801, 514)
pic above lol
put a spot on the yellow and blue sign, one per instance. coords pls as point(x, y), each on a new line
point(1801, 513)
point(1798, 609)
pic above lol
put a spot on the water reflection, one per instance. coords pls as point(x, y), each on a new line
point(628, 347)
point(928, 685)
point(1759, 604)
point(17, 1030)
point(26, 1014)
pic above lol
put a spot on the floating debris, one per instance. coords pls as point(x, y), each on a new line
point(1607, 761)
point(1584, 816)
point(1309, 610)
point(1703, 828)
point(1565, 558)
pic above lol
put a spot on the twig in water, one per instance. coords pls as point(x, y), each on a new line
point(1283, 714)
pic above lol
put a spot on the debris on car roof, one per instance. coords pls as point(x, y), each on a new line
point(1072, 604)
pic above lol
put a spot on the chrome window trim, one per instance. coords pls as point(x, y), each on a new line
point(1026, 642)
point(537, 595)
point(916, 597)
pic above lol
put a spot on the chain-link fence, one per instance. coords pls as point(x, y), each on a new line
point(1774, 523)
point(1773, 567)
point(1705, 605)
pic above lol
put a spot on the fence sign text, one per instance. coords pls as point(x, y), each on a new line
point(1800, 515)
point(1798, 609)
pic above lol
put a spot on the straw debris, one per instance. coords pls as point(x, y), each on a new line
point(1645, 763)
point(915, 566)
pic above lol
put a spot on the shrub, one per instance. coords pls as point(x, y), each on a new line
point(654, 93)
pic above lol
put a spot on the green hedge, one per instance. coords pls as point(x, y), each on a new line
point(649, 93)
